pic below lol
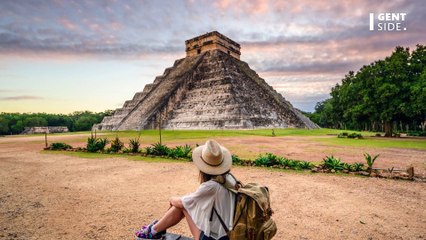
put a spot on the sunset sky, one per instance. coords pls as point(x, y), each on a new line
point(64, 56)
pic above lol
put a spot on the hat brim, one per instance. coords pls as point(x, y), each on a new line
point(212, 170)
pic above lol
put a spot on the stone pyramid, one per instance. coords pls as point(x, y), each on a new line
point(208, 89)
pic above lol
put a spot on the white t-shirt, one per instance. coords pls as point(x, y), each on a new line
point(199, 205)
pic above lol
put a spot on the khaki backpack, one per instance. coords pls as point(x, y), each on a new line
point(252, 216)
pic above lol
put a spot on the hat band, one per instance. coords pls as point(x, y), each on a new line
point(212, 165)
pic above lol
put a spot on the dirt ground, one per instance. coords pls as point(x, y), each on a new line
point(55, 196)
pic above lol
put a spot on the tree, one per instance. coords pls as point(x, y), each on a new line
point(417, 109)
point(35, 121)
point(18, 127)
point(78, 121)
point(379, 95)
point(85, 123)
point(4, 126)
point(324, 115)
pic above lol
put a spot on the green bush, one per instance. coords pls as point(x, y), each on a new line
point(356, 167)
point(159, 149)
point(267, 160)
point(116, 145)
point(294, 164)
point(343, 135)
point(148, 150)
point(332, 163)
point(236, 160)
point(347, 166)
point(96, 144)
point(262, 160)
point(284, 162)
point(305, 165)
point(355, 135)
point(370, 160)
point(134, 145)
point(416, 133)
point(351, 135)
point(59, 146)
point(180, 152)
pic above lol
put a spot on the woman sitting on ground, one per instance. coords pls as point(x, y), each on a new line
point(203, 208)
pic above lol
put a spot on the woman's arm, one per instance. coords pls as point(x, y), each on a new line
point(176, 202)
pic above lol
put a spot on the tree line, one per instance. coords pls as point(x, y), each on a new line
point(388, 95)
point(14, 123)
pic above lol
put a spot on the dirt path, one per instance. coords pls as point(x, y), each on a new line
point(50, 196)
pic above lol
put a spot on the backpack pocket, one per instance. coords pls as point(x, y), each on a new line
point(268, 230)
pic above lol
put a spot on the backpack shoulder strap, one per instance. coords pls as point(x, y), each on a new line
point(220, 219)
point(233, 187)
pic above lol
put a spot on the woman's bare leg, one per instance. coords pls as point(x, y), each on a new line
point(194, 229)
point(172, 217)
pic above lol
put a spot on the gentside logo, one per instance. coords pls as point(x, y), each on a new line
point(388, 22)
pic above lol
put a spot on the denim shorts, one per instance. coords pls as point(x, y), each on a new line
point(203, 237)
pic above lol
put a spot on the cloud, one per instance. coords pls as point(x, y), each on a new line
point(305, 101)
point(22, 97)
point(11, 43)
point(6, 90)
point(111, 28)
point(67, 24)
point(291, 43)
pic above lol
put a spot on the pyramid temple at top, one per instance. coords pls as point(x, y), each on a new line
point(211, 88)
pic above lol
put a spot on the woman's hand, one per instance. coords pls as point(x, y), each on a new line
point(176, 202)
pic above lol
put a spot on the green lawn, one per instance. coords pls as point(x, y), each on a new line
point(375, 142)
point(324, 135)
point(199, 134)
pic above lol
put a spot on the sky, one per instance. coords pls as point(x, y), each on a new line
point(60, 56)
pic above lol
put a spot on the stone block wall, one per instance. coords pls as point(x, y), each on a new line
point(35, 130)
point(212, 41)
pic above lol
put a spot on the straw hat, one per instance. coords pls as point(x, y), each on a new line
point(211, 158)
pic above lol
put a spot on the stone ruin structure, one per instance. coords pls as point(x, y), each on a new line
point(208, 89)
point(35, 130)
point(212, 41)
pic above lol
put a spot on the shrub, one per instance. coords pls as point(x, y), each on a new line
point(357, 167)
point(180, 152)
point(148, 150)
point(351, 135)
point(332, 163)
point(134, 145)
point(370, 160)
point(96, 144)
point(159, 149)
point(416, 133)
point(267, 160)
point(343, 135)
point(347, 166)
point(305, 165)
point(294, 164)
point(262, 160)
point(116, 145)
point(285, 162)
point(355, 135)
point(59, 146)
point(236, 160)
